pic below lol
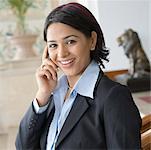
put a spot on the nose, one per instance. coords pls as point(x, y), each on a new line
point(62, 51)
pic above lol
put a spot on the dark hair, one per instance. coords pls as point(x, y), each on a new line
point(80, 18)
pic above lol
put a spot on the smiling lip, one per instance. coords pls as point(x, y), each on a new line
point(66, 63)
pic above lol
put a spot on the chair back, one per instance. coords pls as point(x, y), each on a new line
point(146, 132)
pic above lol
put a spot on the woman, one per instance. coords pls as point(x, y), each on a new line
point(83, 109)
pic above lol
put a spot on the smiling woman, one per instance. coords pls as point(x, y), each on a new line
point(79, 110)
point(70, 49)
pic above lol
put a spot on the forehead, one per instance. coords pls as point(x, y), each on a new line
point(60, 30)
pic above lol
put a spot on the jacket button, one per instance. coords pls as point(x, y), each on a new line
point(29, 127)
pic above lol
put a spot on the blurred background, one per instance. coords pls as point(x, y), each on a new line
point(21, 46)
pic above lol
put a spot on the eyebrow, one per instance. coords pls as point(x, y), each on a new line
point(64, 38)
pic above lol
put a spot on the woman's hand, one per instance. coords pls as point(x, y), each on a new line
point(46, 76)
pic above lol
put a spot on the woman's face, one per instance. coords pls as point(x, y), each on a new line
point(68, 48)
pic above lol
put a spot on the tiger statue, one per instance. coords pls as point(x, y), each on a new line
point(139, 63)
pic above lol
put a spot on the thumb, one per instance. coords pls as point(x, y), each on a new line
point(45, 53)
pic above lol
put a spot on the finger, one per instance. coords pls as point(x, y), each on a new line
point(45, 53)
point(42, 66)
point(51, 71)
point(47, 71)
point(47, 74)
point(50, 63)
point(44, 73)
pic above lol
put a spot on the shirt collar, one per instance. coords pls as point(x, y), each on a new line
point(86, 83)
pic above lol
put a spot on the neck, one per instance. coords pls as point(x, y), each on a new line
point(72, 81)
point(69, 87)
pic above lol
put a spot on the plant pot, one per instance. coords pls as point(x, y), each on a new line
point(24, 46)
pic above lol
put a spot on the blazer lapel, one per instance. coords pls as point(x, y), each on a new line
point(78, 109)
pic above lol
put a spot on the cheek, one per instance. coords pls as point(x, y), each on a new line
point(84, 52)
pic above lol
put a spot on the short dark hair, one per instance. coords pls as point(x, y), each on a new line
point(80, 18)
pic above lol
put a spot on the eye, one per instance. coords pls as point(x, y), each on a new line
point(52, 46)
point(70, 42)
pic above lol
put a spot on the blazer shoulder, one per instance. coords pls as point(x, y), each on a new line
point(104, 85)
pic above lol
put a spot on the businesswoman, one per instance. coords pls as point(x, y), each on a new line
point(83, 109)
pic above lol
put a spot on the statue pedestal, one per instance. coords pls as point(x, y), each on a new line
point(135, 84)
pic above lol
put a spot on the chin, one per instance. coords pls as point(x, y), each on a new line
point(69, 73)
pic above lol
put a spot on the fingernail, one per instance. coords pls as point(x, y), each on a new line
point(55, 78)
point(57, 69)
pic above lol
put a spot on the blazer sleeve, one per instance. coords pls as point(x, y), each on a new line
point(122, 121)
point(30, 129)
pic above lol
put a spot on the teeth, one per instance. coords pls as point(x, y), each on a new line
point(66, 62)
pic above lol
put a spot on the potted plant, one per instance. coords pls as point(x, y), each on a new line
point(21, 39)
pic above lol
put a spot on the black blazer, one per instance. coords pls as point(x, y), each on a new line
point(109, 121)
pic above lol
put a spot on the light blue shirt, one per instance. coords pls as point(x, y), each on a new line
point(84, 86)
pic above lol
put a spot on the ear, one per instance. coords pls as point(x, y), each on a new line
point(94, 40)
point(130, 32)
